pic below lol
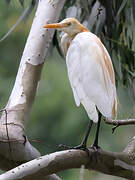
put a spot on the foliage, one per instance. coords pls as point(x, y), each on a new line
point(112, 21)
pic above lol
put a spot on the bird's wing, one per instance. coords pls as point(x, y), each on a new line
point(109, 77)
point(91, 74)
point(73, 61)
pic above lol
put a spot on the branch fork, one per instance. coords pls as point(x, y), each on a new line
point(118, 123)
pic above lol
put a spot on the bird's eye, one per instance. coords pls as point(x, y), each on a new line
point(69, 23)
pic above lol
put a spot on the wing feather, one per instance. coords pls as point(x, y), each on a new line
point(91, 75)
point(75, 76)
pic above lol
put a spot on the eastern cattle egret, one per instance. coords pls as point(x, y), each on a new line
point(90, 73)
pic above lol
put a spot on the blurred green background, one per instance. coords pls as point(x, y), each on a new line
point(55, 119)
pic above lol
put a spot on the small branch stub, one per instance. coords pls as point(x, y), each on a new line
point(118, 123)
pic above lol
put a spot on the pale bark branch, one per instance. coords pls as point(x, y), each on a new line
point(113, 163)
point(15, 148)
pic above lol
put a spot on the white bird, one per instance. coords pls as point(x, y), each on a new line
point(90, 72)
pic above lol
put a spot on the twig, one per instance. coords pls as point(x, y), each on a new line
point(12, 123)
point(19, 140)
point(11, 140)
point(115, 127)
point(8, 139)
point(120, 122)
point(10, 151)
point(99, 12)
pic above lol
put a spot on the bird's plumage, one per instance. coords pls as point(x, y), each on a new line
point(89, 75)
point(89, 68)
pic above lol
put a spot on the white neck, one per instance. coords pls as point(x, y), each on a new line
point(65, 43)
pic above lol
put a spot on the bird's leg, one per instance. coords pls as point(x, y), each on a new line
point(84, 142)
point(82, 146)
point(95, 144)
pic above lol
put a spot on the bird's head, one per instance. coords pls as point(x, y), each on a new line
point(71, 26)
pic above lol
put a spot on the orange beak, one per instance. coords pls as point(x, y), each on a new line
point(55, 26)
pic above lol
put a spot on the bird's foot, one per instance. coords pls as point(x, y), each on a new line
point(79, 147)
point(64, 147)
point(83, 148)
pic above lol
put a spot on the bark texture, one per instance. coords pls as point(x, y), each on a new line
point(15, 148)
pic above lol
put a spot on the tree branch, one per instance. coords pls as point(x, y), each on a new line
point(113, 163)
point(13, 122)
point(120, 122)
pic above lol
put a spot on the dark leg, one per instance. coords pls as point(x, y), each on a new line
point(84, 142)
point(95, 144)
point(82, 146)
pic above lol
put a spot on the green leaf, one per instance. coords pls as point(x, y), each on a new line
point(121, 7)
point(24, 16)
